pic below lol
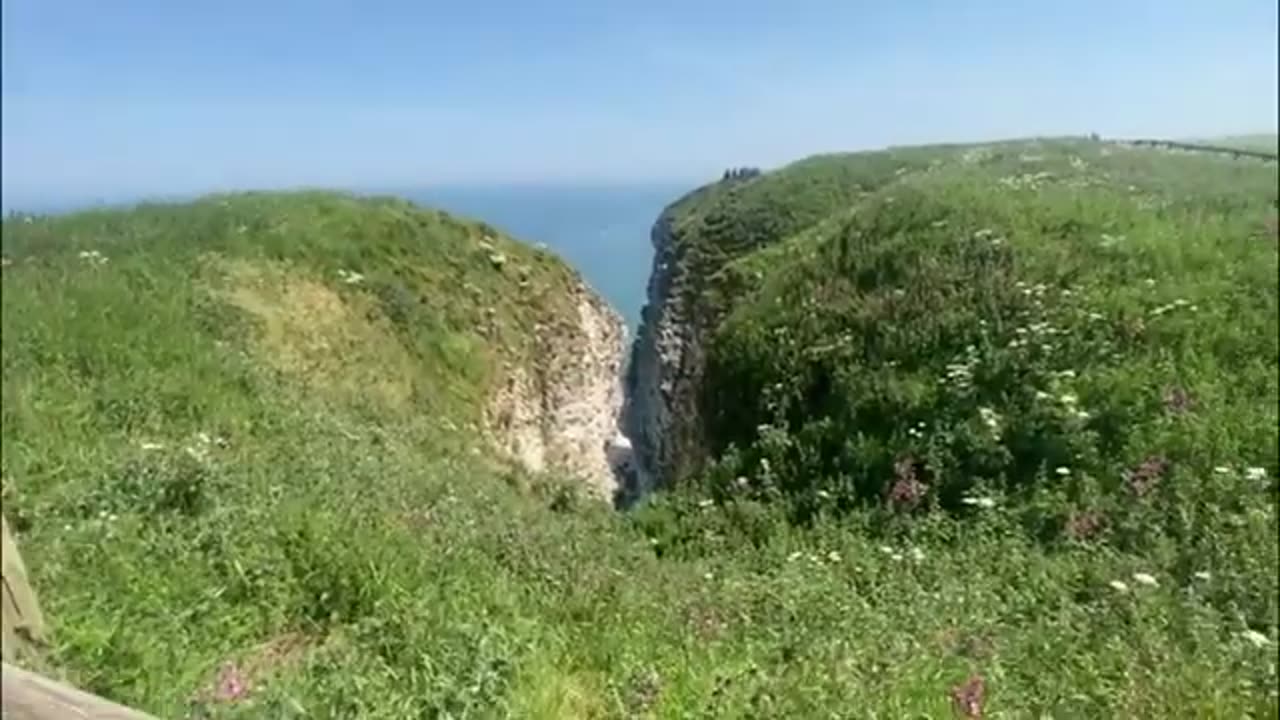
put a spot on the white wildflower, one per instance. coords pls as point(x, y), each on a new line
point(151, 446)
point(1145, 579)
point(1256, 638)
point(705, 503)
point(896, 557)
point(886, 549)
point(1063, 471)
point(833, 556)
point(991, 419)
point(1255, 473)
point(794, 556)
point(1042, 395)
point(917, 554)
point(1082, 415)
point(1095, 316)
point(1222, 470)
point(981, 501)
point(1202, 575)
point(1067, 374)
point(93, 257)
point(824, 494)
point(1119, 586)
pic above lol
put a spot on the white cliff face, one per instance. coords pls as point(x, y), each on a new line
point(660, 413)
point(562, 413)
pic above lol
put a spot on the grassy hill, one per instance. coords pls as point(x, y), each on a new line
point(1258, 142)
point(1003, 412)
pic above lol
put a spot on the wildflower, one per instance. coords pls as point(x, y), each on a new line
point(1082, 415)
point(1094, 316)
point(991, 419)
point(1222, 470)
point(1067, 374)
point(1145, 477)
point(886, 549)
point(93, 257)
point(1255, 474)
point(896, 557)
point(705, 503)
point(917, 554)
point(708, 576)
point(1145, 579)
point(232, 685)
point(1256, 638)
point(1062, 470)
point(907, 490)
point(1202, 575)
point(350, 277)
point(1069, 399)
point(794, 556)
point(151, 446)
point(967, 699)
point(1042, 395)
point(983, 502)
point(1119, 586)
point(1085, 525)
point(833, 556)
point(824, 494)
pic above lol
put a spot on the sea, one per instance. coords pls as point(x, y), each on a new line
point(602, 230)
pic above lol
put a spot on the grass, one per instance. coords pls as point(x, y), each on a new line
point(1258, 142)
point(231, 468)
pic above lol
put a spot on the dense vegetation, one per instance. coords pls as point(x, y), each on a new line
point(992, 426)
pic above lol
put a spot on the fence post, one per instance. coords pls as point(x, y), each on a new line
point(21, 621)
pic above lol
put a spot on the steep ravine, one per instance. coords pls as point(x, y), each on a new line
point(622, 418)
point(662, 375)
point(563, 412)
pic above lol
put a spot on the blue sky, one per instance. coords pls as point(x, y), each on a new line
point(164, 96)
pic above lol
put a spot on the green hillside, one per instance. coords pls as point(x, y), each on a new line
point(1003, 412)
point(1257, 142)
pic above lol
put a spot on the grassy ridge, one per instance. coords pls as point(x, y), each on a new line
point(248, 487)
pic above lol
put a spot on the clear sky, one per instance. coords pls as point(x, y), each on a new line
point(177, 96)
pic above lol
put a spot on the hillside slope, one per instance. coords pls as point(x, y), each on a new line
point(251, 486)
point(186, 387)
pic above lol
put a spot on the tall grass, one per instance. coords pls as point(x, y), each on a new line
point(248, 486)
